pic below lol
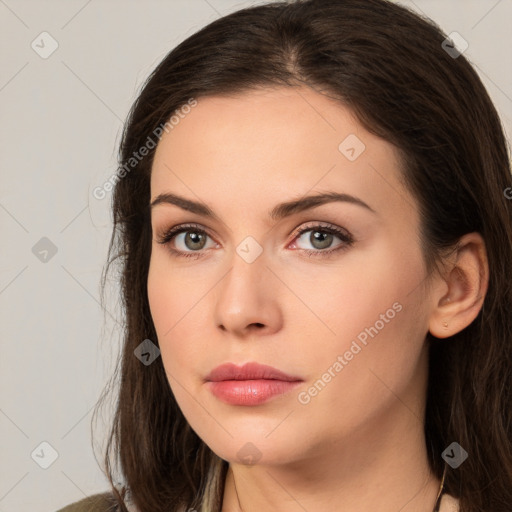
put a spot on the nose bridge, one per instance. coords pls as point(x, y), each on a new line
point(244, 296)
point(247, 269)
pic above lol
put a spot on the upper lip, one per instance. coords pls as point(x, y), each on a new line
point(249, 371)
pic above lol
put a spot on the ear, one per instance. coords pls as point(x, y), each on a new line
point(467, 279)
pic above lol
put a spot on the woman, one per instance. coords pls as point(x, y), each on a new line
point(312, 221)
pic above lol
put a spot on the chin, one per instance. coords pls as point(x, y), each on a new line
point(250, 447)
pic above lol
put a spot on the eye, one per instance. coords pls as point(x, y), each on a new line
point(189, 239)
point(321, 238)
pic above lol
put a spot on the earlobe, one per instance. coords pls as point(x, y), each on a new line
point(467, 280)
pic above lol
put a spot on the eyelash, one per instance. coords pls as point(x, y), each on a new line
point(346, 238)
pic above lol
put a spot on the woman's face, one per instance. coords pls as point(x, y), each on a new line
point(341, 307)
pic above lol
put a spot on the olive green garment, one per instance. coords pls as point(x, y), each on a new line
point(103, 502)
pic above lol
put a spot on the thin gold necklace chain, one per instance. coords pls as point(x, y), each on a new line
point(435, 509)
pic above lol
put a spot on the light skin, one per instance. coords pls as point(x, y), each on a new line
point(358, 444)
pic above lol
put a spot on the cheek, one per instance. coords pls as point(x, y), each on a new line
point(372, 297)
point(175, 306)
point(378, 315)
point(167, 302)
point(368, 291)
point(170, 293)
point(159, 296)
point(175, 310)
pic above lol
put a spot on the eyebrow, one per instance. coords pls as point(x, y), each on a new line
point(279, 212)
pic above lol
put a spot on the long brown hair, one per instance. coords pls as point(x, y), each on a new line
point(390, 67)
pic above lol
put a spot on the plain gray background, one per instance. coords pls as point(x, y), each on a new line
point(61, 122)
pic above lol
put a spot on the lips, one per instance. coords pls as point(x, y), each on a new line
point(249, 371)
point(249, 385)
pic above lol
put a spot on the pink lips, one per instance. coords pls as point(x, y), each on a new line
point(250, 384)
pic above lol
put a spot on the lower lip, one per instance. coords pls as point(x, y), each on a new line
point(250, 392)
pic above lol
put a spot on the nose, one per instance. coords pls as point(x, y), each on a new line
point(247, 299)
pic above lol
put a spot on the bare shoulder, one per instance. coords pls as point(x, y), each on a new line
point(103, 502)
point(449, 503)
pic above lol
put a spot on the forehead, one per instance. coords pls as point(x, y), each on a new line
point(271, 119)
point(264, 143)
